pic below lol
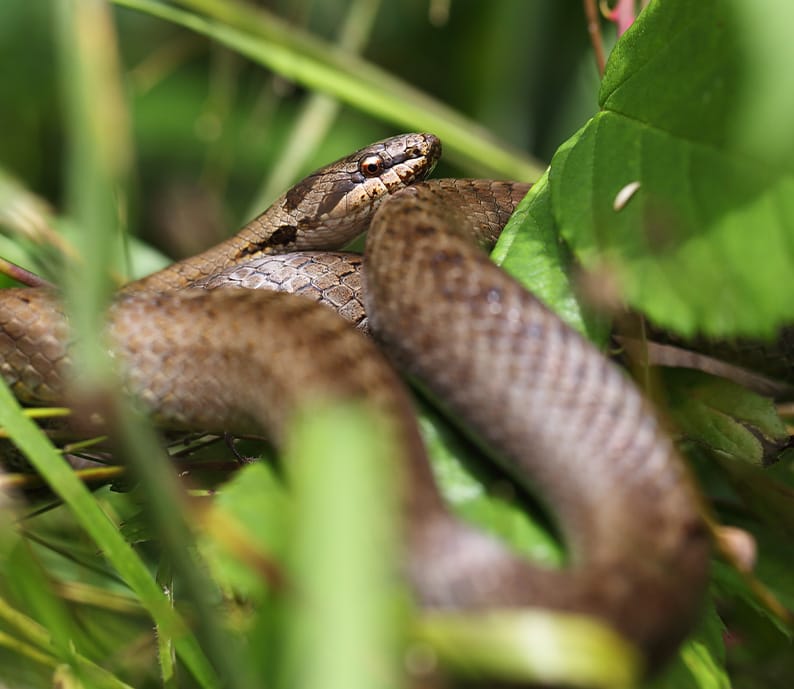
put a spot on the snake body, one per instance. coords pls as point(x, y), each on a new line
point(559, 415)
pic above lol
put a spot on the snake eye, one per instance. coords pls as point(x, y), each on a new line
point(371, 166)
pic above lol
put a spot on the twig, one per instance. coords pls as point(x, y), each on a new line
point(22, 275)
point(594, 29)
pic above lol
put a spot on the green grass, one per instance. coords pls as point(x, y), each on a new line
point(285, 577)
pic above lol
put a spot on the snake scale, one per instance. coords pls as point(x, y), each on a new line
point(562, 418)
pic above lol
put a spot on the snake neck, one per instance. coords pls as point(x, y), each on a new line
point(326, 210)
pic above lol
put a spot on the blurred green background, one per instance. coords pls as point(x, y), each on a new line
point(209, 125)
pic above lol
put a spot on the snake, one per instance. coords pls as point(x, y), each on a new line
point(557, 415)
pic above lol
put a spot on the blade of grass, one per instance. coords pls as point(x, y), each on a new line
point(99, 154)
point(313, 63)
point(341, 627)
point(166, 653)
point(97, 129)
point(27, 651)
point(98, 163)
point(63, 482)
point(43, 643)
point(97, 597)
point(167, 510)
point(26, 580)
point(317, 113)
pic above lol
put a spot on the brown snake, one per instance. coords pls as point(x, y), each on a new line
point(562, 418)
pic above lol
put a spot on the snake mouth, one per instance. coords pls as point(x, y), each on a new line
point(414, 155)
point(381, 170)
point(421, 147)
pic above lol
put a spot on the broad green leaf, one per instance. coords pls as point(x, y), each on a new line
point(707, 239)
point(758, 645)
point(247, 527)
point(676, 68)
point(532, 646)
point(700, 664)
point(775, 568)
point(724, 416)
point(531, 250)
point(769, 500)
point(774, 571)
point(479, 495)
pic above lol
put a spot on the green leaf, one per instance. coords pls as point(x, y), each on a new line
point(482, 497)
point(745, 603)
point(676, 69)
point(532, 646)
point(771, 501)
point(724, 416)
point(679, 248)
point(701, 661)
point(248, 516)
point(775, 568)
point(530, 249)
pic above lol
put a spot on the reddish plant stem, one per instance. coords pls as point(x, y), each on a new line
point(594, 29)
point(22, 275)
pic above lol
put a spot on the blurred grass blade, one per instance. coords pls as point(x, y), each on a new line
point(42, 642)
point(26, 650)
point(167, 510)
point(63, 482)
point(317, 113)
point(24, 213)
point(166, 653)
point(98, 161)
point(532, 647)
point(342, 565)
point(99, 155)
point(313, 63)
point(26, 581)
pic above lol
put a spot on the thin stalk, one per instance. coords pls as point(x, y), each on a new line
point(317, 65)
point(317, 113)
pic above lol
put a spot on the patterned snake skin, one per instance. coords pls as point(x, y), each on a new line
point(562, 418)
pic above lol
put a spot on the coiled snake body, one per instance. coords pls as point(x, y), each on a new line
point(559, 414)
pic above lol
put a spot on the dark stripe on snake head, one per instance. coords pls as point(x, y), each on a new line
point(282, 236)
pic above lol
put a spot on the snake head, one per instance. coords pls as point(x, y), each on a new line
point(399, 161)
point(349, 190)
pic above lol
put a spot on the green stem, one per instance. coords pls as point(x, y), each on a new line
point(313, 63)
